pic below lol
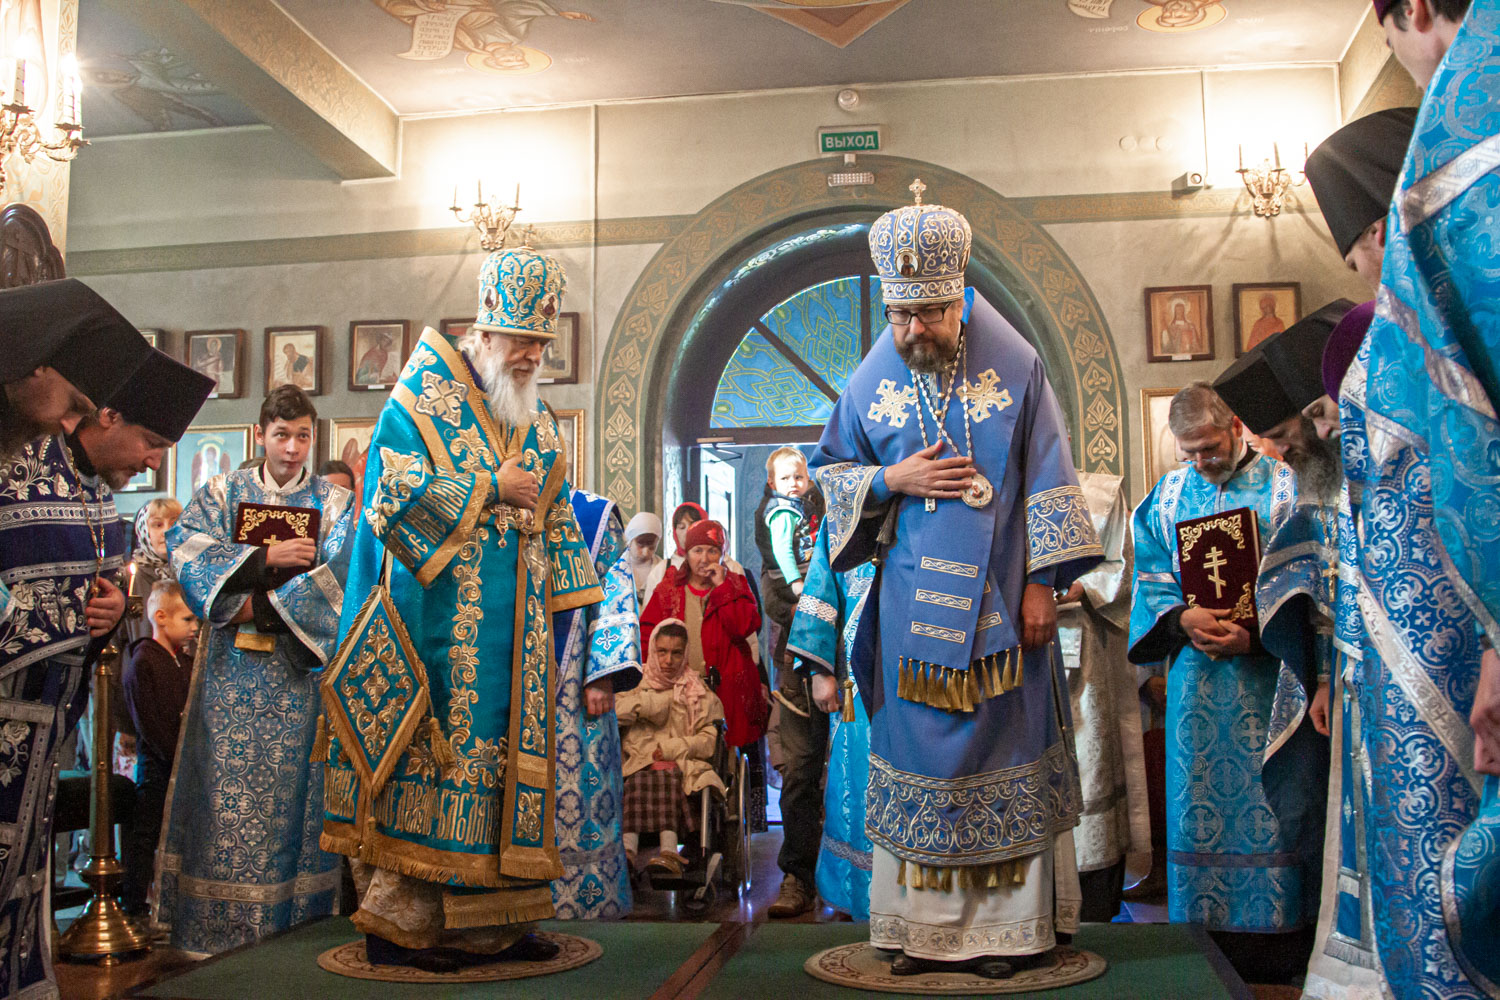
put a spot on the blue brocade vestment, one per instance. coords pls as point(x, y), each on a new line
point(821, 639)
point(1244, 814)
point(476, 583)
point(240, 857)
point(1423, 459)
point(599, 641)
point(971, 764)
point(52, 519)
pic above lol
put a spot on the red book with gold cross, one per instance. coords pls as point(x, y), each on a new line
point(266, 524)
point(1219, 561)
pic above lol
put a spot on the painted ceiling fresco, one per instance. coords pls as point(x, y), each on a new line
point(131, 84)
point(435, 56)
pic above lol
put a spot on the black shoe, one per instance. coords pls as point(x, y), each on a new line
point(380, 951)
point(992, 967)
point(905, 965)
point(531, 948)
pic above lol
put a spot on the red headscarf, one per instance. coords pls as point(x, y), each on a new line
point(686, 506)
point(705, 533)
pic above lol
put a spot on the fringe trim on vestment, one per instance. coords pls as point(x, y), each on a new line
point(497, 907)
point(442, 750)
point(957, 690)
point(992, 876)
point(319, 753)
point(392, 859)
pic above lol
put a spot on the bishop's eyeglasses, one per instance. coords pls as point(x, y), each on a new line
point(927, 314)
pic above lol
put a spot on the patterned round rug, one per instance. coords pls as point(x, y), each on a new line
point(862, 967)
point(349, 960)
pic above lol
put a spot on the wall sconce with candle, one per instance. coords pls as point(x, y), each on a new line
point(492, 219)
point(1268, 182)
point(20, 135)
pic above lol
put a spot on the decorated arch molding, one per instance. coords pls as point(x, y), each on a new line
point(636, 373)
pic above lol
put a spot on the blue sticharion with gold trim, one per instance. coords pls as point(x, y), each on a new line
point(937, 656)
point(470, 798)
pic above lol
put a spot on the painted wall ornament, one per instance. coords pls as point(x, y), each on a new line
point(156, 89)
point(491, 32)
point(1174, 16)
point(1098, 9)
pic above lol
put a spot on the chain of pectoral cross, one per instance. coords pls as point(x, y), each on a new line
point(958, 370)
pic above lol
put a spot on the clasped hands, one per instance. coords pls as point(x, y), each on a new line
point(1213, 633)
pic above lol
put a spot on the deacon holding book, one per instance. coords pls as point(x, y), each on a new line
point(1232, 866)
point(947, 460)
point(469, 540)
point(259, 554)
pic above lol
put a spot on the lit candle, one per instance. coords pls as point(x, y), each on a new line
point(1242, 155)
point(1276, 152)
point(455, 199)
point(18, 96)
point(72, 85)
point(517, 202)
point(478, 193)
point(130, 590)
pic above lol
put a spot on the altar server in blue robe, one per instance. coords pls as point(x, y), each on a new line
point(240, 857)
point(598, 653)
point(1234, 864)
point(947, 458)
point(62, 547)
point(1423, 455)
point(821, 641)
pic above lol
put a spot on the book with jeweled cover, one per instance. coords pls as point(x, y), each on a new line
point(1219, 560)
point(266, 524)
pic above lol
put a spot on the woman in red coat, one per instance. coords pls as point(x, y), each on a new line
point(720, 612)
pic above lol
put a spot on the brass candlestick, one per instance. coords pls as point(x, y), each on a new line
point(104, 932)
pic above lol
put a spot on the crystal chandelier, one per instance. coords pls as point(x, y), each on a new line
point(20, 135)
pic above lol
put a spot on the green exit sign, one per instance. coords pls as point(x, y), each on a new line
point(849, 139)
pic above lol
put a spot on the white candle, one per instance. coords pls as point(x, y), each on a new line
point(18, 95)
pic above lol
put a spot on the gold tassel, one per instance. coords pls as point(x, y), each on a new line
point(900, 872)
point(903, 680)
point(442, 750)
point(1020, 668)
point(972, 694)
point(947, 880)
point(849, 700)
point(319, 753)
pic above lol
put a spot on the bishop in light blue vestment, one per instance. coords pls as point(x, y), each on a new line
point(821, 640)
point(596, 643)
point(973, 779)
point(1233, 864)
point(240, 857)
point(1423, 455)
point(448, 807)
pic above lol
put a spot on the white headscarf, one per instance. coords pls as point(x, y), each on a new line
point(644, 523)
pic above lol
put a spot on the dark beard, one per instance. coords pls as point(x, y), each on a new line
point(1319, 467)
point(926, 357)
point(16, 432)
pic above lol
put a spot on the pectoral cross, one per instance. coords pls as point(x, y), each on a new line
point(930, 504)
point(1213, 562)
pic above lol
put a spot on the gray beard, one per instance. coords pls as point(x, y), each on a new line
point(510, 404)
point(1319, 469)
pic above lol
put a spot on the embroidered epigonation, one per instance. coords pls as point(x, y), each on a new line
point(950, 567)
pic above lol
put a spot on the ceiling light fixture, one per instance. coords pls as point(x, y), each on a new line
point(850, 177)
point(492, 219)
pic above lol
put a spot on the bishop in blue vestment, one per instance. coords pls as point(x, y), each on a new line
point(442, 760)
point(598, 653)
point(973, 780)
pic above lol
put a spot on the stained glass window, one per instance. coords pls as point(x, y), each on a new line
point(790, 367)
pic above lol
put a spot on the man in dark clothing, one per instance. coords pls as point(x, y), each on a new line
point(156, 678)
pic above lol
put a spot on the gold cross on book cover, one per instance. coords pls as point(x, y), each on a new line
point(266, 524)
point(1219, 557)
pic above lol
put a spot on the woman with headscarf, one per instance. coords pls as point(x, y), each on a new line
point(721, 614)
point(642, 536)
point(668, 732)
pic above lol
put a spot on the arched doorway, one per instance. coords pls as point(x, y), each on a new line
point(660, 354)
